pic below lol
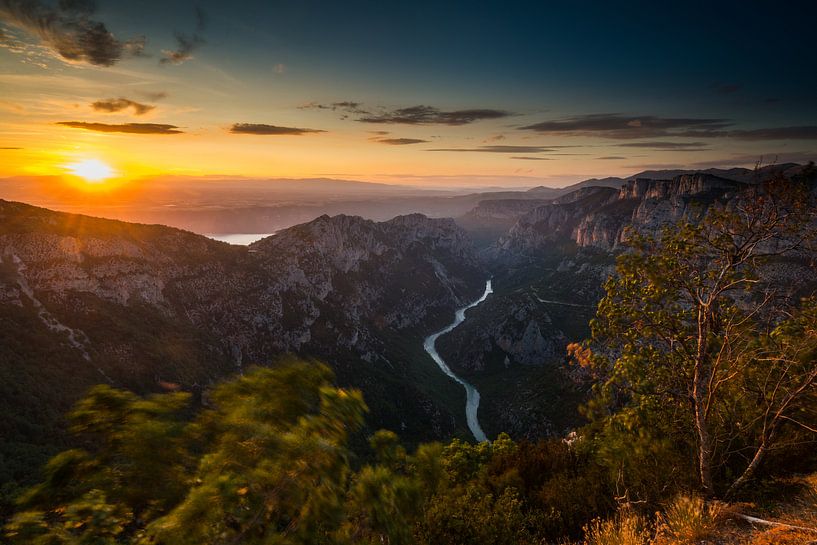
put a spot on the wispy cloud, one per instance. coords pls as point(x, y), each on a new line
point(429, 115)
point(270, 130)
point(154, 96)
point(347, 107)
point(186, 44)
point(670, 146)
point(621, 126)
point(522, 157)
point(399, 141)
point(502, 149)
point(132, 128)
point(112, 105)
point(803, 132)
point(413, 115)
point(612, 158)
point(70, 30)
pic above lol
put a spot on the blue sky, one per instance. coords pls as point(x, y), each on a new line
point(555, 90)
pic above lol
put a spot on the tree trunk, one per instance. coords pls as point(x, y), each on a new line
point(749, 472)
point(699, 395)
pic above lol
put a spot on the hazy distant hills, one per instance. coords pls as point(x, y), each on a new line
point(239, 205)
point(218, 205)
point(738, 174)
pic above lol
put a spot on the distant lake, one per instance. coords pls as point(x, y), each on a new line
point(242, 239)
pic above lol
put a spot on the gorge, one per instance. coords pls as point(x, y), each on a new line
point(472, 395)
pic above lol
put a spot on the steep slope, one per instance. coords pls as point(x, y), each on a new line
point(84, 300)
point(549, 270)
point(600, 217)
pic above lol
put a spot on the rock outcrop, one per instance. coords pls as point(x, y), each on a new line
point(84, 300)
point(602, 217)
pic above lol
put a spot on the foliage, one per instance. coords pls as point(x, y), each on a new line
point(688, 520)
point(267, 461)
point(697, 359)
point(624, 529)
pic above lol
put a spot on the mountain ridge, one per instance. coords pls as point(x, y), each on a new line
point(86, 300)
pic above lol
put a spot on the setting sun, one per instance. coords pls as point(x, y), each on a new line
point(91, 170)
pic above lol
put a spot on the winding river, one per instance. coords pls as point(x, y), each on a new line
point(471, 393)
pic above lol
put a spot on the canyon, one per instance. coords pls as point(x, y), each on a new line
point(85, 300)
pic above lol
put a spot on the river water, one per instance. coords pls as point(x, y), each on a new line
point(241, 239)
point(471, 393)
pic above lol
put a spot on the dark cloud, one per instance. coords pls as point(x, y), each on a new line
point(628, 127)
point(133, 128)
point(399, 141)
point(671, 146)
point(347, 108)
point(414, 115)
point(70, 30)
point(112, 105)
point(502, 149)
point(428, 115)
point(624, 127)
point(186, 44)
point(612, 158)
point(806, 132)
point(533, 158)
point(9, 149)
point(273, 130)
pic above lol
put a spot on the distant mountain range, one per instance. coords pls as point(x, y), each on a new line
point(226, 205)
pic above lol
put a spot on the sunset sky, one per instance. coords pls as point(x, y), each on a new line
point(511, 93)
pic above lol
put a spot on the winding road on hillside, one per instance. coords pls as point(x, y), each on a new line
point(471, 393)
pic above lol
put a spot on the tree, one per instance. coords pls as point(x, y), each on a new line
point(266, 462)
point(688, 327)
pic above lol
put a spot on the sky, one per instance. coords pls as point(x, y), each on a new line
point(433, 93)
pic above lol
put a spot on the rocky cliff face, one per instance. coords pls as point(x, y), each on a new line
point(84, 300)
point(549, 270)
point(514, 330)
point(557, 220)
point(602, 217)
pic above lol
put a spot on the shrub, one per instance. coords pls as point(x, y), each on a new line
point(688, 520)
point(624, 529)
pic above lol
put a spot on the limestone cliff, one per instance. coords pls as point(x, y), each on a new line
point(84, 300)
